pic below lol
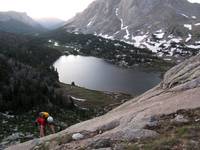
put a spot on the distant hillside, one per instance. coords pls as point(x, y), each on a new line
point(51, 23)
point(17, 22)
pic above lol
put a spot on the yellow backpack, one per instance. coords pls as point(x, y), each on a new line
point(45, 114)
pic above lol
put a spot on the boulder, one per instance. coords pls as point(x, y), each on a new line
point(77, 136)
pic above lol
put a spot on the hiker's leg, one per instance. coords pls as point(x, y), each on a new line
point(42, 131)
point(52, 127)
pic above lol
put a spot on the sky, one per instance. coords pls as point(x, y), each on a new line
point(62, 9)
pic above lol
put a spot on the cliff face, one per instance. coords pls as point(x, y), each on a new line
point(180, 89)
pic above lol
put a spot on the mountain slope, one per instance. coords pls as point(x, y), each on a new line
point(16, 22)
point(180, 89)
point(117, 52)
point(25, 63)
point(168, 27)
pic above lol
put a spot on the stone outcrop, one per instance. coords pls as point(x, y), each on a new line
point(180, 89)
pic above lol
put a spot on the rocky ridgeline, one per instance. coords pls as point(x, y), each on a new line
point(180, 89)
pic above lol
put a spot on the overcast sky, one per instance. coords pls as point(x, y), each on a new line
point(63, 9)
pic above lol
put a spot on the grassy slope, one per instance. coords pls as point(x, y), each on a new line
point(94, 99)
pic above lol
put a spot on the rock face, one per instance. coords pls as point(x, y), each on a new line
point(180, 89)
point(159, 25)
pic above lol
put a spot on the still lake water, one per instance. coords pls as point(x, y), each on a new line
point(97, 74)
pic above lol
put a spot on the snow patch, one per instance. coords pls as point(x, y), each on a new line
point(56, 44)
point(176, 40)
point(159, 35)
point(90, 23)
point(106, 36)
point(189, 26)
point(193, 46)
point(123, 27)
point(138, 39)
point(185, 15)
point(117, 44)
point(117, 12)
point(154, 46)
point(127, 36)
point(116, 32)
point(197, 42)
point(197, 24)
point(189, 38)
point(194, 17)
point(170, 36)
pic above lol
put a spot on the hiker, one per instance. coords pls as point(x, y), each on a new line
point(73, 84)
point(43, 120)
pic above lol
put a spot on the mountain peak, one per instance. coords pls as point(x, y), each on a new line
point(152, 24)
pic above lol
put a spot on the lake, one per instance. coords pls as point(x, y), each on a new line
point(97, 74)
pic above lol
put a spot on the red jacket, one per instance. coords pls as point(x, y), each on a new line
point(41, 121)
